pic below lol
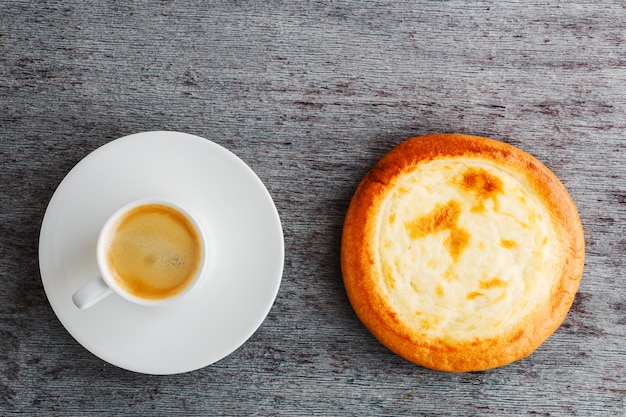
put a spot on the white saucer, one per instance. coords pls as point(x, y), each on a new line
point(245, 239)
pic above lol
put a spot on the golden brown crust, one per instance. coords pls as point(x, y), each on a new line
point(358, 257)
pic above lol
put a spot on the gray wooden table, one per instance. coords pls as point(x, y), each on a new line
point(310, 95)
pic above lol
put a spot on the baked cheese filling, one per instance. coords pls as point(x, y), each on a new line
point(465, 249)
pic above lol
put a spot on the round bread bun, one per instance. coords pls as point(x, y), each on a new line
point(461, 253)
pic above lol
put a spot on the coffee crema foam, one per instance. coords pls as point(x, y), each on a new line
point(155, 251)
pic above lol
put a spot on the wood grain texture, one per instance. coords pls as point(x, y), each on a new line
point(311, 95)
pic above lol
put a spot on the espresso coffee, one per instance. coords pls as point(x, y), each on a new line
point(154, 251)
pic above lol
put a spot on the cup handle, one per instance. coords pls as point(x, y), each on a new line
point(91, 293)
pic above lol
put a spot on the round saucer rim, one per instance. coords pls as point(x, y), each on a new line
point(278, 251)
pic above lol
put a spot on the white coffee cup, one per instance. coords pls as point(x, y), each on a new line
point(149, 252)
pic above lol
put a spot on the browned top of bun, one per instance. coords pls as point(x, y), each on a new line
point(461, 253)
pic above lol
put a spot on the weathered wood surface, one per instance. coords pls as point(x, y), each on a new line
point(310, 95)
